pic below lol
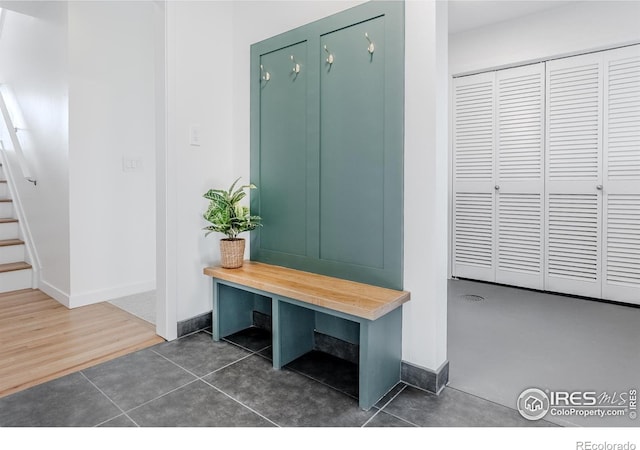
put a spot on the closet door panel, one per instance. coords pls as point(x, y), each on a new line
point(621, 187)
point(546, 190)
point(574, 175)
point(473, 160)
point(520, 181)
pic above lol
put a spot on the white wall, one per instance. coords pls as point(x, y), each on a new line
point(166, 297)
point(200, 74)
point(33, 62)
point(83, 74)
point(426, 184)
point(573, 28)
point(111, 115)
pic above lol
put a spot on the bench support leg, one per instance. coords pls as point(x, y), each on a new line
point(292, 332)
point(232, 310)
point(380, 357)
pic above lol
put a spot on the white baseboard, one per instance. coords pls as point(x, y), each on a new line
point(102, 295)
point(54, 292)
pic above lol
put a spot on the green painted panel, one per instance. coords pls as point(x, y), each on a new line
point(283, 150)
point(294, 336)
point(233, 308)
point(337, 207)
point(380, 357)
point(352, 146)
point(262, 304)
point(344, 329)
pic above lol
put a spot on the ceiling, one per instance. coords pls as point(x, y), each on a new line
point(465, 15)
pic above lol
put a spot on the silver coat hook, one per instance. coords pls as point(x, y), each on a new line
point(266, 76)
point(296, 66)
point(371, 48)
point(330, 57)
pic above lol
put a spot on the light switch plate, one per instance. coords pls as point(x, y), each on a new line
point(194, 135)
point(132, 163)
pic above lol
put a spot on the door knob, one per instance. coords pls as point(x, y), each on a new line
point(599, 187)
point(497, 187)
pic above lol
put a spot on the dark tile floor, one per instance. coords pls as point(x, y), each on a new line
point(195, 382)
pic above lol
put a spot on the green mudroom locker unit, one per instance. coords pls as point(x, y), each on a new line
point(327, 103)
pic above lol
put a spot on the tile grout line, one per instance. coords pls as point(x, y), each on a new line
point(321, 382)
point(492, 402)
point(243, 347)
point(383, 406)
point(257, 352)
point(318, 381)
point(161, 395)
point(263, 349)
point(232, 342)
point(240, 403)
point(148, 401)
point(403, 419)
point(206, 374)
point(197, 378)
point(108, 398)
point(191, 334)
point(211, 385)
point(200, 378)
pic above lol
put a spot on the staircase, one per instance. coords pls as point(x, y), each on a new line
point(15, 273)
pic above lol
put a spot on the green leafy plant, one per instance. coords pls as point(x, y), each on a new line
point(225, 213)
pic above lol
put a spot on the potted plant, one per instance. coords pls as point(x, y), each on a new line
point(227, 216)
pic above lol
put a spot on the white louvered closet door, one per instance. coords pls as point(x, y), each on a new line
point(574, 175)
point(621, 187)
point(473, 187)
point(520, 176)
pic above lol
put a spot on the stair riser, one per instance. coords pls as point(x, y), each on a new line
point(9, 231)
point(6, 209)
point(13, 281)
point(11, 253)
point(4, 190)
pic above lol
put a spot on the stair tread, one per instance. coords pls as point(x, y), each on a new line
point(8, 220)
point(10, 267)
point(6, 200)
point(7, 242)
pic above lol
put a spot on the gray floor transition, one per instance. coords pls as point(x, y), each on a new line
point(142, 305)
point(516, 339)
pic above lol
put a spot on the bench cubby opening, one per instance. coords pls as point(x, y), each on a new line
point(303, 304)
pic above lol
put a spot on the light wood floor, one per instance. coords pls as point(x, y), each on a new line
point(40, 339)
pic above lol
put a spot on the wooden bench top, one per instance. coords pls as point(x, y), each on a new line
point(358, 299)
